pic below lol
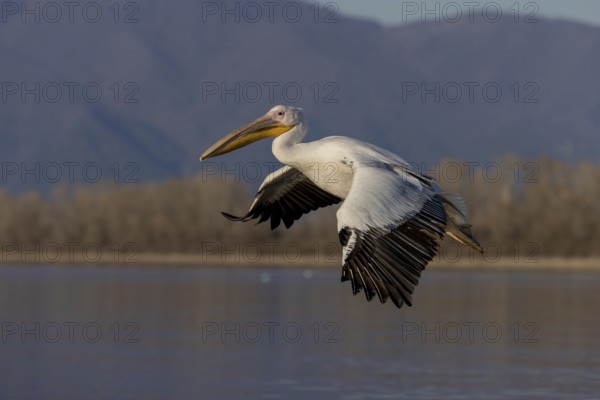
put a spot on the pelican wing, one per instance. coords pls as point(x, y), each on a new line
point(286, 194)
point(389, 225)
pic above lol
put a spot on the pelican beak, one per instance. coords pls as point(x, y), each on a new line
point(262, 128)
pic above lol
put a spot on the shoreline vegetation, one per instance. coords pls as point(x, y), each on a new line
point(304, 262)
point(541, 214)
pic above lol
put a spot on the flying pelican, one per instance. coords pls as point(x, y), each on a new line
point(392, 216)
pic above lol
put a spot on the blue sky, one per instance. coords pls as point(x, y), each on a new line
point(395, 11)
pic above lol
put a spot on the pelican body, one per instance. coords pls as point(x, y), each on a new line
point(391, 218)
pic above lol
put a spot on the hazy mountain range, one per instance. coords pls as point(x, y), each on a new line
point(175, 76)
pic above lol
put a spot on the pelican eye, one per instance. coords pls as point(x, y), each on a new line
point(280, 113)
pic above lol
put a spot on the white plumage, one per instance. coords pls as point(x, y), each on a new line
point(391, 219)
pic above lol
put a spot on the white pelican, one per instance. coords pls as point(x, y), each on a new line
point(392, 216)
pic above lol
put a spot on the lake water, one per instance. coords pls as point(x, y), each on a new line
point(230, 333)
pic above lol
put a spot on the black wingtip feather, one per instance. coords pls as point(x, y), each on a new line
point(232, 217)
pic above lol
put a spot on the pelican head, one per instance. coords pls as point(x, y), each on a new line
point(279, 120)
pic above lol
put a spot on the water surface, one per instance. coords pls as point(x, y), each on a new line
point(229, 333)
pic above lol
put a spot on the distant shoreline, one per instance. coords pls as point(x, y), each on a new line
point(315, 261)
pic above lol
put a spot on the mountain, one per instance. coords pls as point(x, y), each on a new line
point(136, 91)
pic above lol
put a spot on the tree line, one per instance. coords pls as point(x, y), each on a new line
point(544, 206)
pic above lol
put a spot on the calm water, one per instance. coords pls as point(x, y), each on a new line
point(181, 333)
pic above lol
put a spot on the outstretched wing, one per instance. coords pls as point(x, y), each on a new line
point(389, 225)
point(286, 194)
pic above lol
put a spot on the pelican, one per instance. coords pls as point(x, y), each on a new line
point(391, 217)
